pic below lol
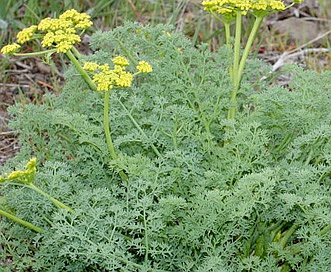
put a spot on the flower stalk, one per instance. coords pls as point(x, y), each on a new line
point(106, 128)
point(231, 10)
point(72, 57)
point(26, 178)
point(52, 199)
point(20, 221)
point(239, 63)
point(106, 78)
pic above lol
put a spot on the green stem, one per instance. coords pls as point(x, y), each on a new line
point(106, 128)
point(80, 69)
point(226, 24)
point(251, 38)
point(237, 43)
point(325, 230)
point(135, 123)
point(235, 68)
point(20, 221)
point(32, 54)
point(238, 66)
point(54, 200)
point(227, 35)
point(287, 235)
point(76, 53)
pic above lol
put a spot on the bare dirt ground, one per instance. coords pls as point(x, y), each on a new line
point(290, 36)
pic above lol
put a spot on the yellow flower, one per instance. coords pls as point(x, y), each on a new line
point(79, 20)
point(119, 68)
point(26, 176)
point(63, 40)
point(61, 32)
point(119, 60)
point(26, 34)
point(10, 49)
point(19, 176)
point(107, 78)
point(63, 47)
point(144, 67)
point(260, 6)
point(104, 86)
point(125, 79)
point(228, 8)
point(277, 5)
point(49, 24)
point(90, 66)
point(44, 24)
point(32, 164)
point(104, 68)
point(48, 39)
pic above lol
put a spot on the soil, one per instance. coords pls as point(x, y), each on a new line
point(27, 79)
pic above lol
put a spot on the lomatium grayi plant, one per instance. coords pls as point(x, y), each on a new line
point(149, 160)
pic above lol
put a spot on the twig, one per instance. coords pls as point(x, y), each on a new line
point(293, 53)
point(287, 55)
point(311, 41)
point(13, 85)
point(23, 65)
point(6, 133)
point(45, 84)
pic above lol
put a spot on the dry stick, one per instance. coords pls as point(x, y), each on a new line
point(14, 85)
point(285, 56)
point(293, 53)
point(6, 133)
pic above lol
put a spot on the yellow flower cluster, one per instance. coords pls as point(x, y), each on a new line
point(60, 33)
point(229, 7)
point(63, 39)
point(119, 60)
point(10, 49)
point(144, 67)
point(26, 176)
point(107, 78)
point(26, 34)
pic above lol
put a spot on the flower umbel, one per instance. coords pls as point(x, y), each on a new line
point(26, 34)
point(10, 49)
point(107, 78)
point(144, 67)
point(119, 60)
point(60, 34)
point(26, 176)
point(229, 7)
